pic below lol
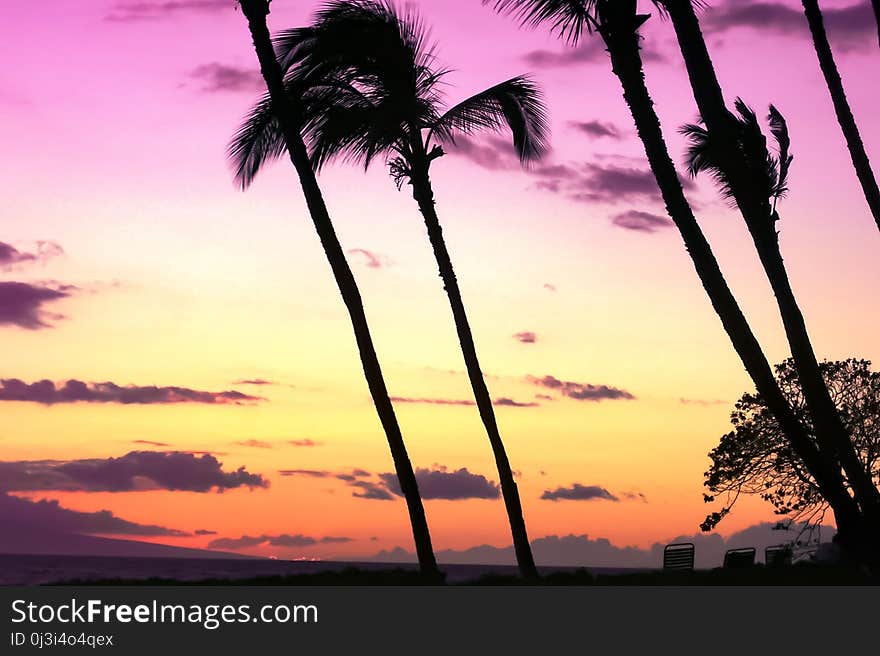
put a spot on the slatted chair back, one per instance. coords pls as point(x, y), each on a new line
point(679, 556)
point(778, 555)
point(739, 558)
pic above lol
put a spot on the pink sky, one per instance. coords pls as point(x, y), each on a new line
point(115, 121)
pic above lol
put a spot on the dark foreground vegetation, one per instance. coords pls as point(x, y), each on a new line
point(803, 574)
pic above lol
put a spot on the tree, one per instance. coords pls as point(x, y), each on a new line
point(290, 114)
point(618, 22)
point(388, 102)
point(733, 149)
point(756, 458)
point(841, 105)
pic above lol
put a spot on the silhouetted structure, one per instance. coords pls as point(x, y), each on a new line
point(778, 555)
point(287, 111)
point(394, 109)
point(739, 558)
point(679, 557)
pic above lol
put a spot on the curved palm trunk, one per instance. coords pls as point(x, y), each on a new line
point(760, 218)
point(841, 106)
point(623, 45)
point(256, 11)
point(424, 196)
point(876, 4)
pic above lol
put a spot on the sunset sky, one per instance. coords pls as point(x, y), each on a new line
point(140, 264)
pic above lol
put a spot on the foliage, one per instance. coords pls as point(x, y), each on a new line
point(756, 457)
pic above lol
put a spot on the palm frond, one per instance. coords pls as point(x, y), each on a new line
point(569, 19)
point(779, 130)
point(516, 103)
point(704, 155)
point(257, 141)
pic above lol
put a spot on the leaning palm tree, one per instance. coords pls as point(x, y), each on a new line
point(618, 22)
point(733, 149)
point(389, 103)
point(841, 105)
point(290, 113)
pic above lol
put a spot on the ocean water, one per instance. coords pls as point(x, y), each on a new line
point(45, 569)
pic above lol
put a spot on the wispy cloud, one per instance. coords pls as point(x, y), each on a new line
point(23, 304)
point(638, 221)
point(578, 492)
point(306, 442)
point(597, 129)
point(222, 78)
point(581, 391)
point(588, 51)
point(371, 259)
point(254, 444)
point(77, 391)
point(526, 337)
point(11, 257)
point(284, 540)
point(126, 12)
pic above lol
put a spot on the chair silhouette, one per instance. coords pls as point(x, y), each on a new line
point(739, 558)
point(778, 555)
point(679, 556)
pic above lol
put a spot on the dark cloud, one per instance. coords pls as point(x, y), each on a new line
point(133, 11)
point(638, 221)
point(371, 259)
point(372, 491)
point(73, 391)
point(254, 381)
point(303, 443)
point(11, 257)
point(311, 473)
point(255, 444)
point(22, 304)
point(16, 512)
point(491, 152)
point(283, 540)
point(634, 496)
point(588, 51)
point(204, 531)
point(526, 337)
point(217, 78)
point(597, 129)
point(512, 403)
point(440, 483)
point(429, 401)
point(581, 391)
point(852, 26)
point(137, 470)
point(150, 443)
point(578, 492)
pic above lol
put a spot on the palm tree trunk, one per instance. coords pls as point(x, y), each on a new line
point(876, 4)
point(841, 106)
point(760, 218)
point(424, 196)
point(623, 46)
point(256, 12)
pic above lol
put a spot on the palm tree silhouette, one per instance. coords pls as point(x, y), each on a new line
point(841, 105)
point(388, 102)
point(733, 149)
point(290, 113)
point(618, 23)
point(876, 5)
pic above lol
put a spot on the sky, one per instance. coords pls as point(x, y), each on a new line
point(217, 397)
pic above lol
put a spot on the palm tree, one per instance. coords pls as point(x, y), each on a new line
point(876, 4)
point(733, 149)
point(288, 113)
point(841, 105)
point(388, 102)
point(618, 22)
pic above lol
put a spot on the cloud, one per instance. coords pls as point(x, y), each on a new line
point(137, 470)
point(511, 403)
point(588, 51)
point(597, 129)
point(493, 153)
point(702, 402)
point(526, 337)
point(371, 259)
point(430, 401)
point(11, 257)
point(852, 26)
point(283, 540)
point(638, 221)
point(16, 512)
point(150, 443)
point(372, 491)
point(550, 287)
point(220, 78)
point(21, 304)
point(126, 12)
point(440, 483)
point(581, 391)
point(256, 444)
point(203, 531)
point(311, 473)
point(634, 496)
point(254, 381)
point(578, 492)
point(303, 443)
point(73, 391)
